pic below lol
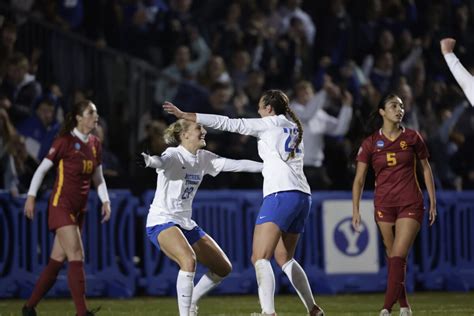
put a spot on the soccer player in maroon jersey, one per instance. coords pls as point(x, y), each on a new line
point(77, 155)
point(393, 151)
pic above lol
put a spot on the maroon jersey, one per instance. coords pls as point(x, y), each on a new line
point(394, 163)
point(76, 162)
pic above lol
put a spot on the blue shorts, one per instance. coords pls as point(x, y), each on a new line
point(192, 235)
point(288, 209)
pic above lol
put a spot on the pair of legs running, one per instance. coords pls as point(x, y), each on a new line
point(67, 245)
point(269, 241)
point(205, 251)
point(398, 239)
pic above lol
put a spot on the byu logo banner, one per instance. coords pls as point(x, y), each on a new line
point(347, 251)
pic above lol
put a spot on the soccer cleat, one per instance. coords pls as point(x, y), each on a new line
point(193, 310)
point(92, 312)
point(316, 311)
point(28, 311)
point(385, 312)
point(405, 311)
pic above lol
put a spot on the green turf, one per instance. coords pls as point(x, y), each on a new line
point(453, 304)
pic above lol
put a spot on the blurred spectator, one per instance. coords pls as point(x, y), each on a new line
point(40, 129)
point(20, 87)
point(167, 85)
point(227, 35)
point(292, 9)
point(18, 167)
point(154, 144)
point(7, 46)
point(111, 168)
point(445, 146)
point(317, 123)
point(410, 118)
point(215, 71)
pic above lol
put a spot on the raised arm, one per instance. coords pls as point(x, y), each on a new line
point(99, 182)
point(36, 181)
point(357, 188)
point(462, 76)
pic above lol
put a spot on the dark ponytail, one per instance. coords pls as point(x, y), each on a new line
point(281, 105)
point(70, 120)
point(373, 123)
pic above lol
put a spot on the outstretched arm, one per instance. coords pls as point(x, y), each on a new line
point(242, 126)
point(242, 165)
point(462, 76)
point(170, 108)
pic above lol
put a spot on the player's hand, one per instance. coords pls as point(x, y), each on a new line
point(447, 45)
point(143, 160)
point(140, 160)
point(433, 214)
point(170, 108)
point(106, 212)
point(356, 221)
point(29, 209)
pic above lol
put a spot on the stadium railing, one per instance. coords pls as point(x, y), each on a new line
point(121, 261)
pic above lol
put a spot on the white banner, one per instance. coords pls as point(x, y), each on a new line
point(345, 250)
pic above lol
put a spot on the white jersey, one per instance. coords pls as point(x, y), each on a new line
point(179, 175)
point(462, 76)
point(276, 137)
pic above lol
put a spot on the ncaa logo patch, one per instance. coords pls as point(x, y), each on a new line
point(348, 241)
point(77, 146)
point(379, 143)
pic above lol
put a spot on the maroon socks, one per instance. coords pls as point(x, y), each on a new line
point(45, 282)
point(395, 283)
point(77, 286)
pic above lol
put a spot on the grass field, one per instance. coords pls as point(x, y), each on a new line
point(453, 304)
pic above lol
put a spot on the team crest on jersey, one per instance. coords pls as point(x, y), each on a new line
point(380, 144)
point(77, 146)
point(403, 145)
point(94, 152)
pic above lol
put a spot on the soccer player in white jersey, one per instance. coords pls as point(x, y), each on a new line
point(287, 195)
point(462, 76)
point(169, 224)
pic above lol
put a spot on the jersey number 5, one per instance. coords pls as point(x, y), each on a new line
point(391, 160)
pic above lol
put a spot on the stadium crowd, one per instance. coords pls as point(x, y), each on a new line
point(335, 59)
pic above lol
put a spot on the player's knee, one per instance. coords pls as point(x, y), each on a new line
point(282, 258)
point(225, 270)
point(188, 263)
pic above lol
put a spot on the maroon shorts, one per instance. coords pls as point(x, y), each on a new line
point(60, 216)
point(392, 213)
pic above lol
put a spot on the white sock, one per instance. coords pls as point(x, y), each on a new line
point(184, 289)
point(207, 282)
point(299, 280)
point(266, 285)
